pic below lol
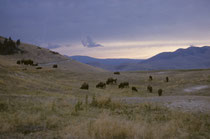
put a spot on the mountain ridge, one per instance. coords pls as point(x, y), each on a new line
point(190, 58)
point(111, 64)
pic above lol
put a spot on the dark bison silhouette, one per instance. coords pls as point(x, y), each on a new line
point(84, 86)
point(134, 89)
point(101, 85)
point(149, 88)
point(160, 91)
point(150, 78)
point(111, 81)
point(124, 85)
point(167, 79)
point(117, 72)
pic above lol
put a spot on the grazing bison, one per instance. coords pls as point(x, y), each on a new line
point(101, 85)
point(26, 62)
point(111, 81)
point(149, 88)
point(118, 73)
point(150, 78)
point(18, 62)
point(134, 89)
point(39, 68)
point(123, 85)
point(84, 86)
point(55, 66)
point(35, 64)
point(167, 79)
point(160, 91)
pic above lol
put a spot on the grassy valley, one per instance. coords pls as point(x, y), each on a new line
point(48, 102)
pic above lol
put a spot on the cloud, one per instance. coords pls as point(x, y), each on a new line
point(88, 42)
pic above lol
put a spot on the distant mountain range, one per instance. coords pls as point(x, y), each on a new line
point(190, 58)
point(108, 64)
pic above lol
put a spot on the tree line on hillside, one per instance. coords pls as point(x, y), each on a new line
point(8, 46)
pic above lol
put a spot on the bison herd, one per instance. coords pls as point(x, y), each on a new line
point(30, 62)
point(112, 81)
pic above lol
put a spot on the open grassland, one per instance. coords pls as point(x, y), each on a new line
point(48, 103)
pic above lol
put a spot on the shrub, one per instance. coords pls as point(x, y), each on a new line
point(134, 89)
point(55, 66)
point(78, 106)
point(3, 107)
point(160, 91)
point(167, 79)
point(84, 86)
point(94, 102)
point(150, 78)
point(149, 88)
point(101, 103)
point(111, 81)
point(109, 127)
point(118, 73)
point(123, 85)
point(101, 85)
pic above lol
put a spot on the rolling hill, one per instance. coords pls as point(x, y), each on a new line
point(107, 64)
point(46, 58)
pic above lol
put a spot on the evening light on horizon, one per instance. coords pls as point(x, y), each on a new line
point(108, 28)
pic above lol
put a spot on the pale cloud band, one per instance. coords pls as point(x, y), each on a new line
point(130, 49)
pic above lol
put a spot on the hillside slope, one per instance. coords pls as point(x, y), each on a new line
point(46, 58)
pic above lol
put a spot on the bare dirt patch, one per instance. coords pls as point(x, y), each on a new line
point(196, 88)
point(185, 103)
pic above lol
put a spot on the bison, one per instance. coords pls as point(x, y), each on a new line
point(149, 88)
point(167, 79)
point(118, 73)
point(150, 78)
point(134, 89)
point(101, 85)
point(123, 85)
point(84, 86)
point(160, 91)
point(111, 81)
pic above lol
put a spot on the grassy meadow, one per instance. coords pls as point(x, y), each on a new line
point(48, 103)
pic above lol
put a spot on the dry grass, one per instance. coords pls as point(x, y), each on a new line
point(39, 104)
point(107, 119)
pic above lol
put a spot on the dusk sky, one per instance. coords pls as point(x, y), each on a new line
point(107, 28)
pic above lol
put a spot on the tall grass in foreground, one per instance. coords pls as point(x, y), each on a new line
point(99, 118)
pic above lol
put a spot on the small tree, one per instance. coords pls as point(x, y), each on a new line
point(18, 42)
